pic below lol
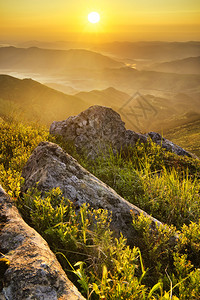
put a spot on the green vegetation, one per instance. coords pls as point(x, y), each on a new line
point(187, 136)
point(159, 182)
point(164, 264)
point(17, 143)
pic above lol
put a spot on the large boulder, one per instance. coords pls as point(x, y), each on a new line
point(98, 128)
point(95, 130)
point(49, 167)
point(33, 271)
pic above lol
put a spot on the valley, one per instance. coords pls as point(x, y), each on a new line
point(155, 86)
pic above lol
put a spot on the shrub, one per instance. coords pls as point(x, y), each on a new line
point(108, 266)
point(171, 255)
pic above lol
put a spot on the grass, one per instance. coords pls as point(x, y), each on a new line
point(187, 136)
point(159, 266)
point(161, 183)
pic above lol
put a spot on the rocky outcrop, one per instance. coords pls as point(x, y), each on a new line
point(49, 167)
point(168, 145)
point(98, 128)
point(95, 130)
point(33, 271)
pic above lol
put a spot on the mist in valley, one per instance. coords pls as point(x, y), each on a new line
point(153, 85)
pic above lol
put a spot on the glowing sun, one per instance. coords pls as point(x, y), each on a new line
point(93, 17)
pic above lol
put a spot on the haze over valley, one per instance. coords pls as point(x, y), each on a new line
point(145, 82)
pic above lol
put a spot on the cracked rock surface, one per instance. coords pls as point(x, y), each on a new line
point(34, 272)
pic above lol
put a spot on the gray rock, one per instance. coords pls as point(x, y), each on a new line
point(168, 145)
point(93, 130)
point(98, 128)
point(34, 272)
point(49, 167)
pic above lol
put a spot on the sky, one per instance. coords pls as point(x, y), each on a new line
point(125, 20)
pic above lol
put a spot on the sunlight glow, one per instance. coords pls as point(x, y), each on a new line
point(93, 17)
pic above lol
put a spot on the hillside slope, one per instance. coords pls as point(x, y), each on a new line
point(37, 101)
point(187, 135)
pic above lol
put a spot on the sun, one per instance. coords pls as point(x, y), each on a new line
point(94, 17)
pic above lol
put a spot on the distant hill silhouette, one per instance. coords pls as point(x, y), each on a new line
point(128, 79)
point(37, 101)
point(190, 65)
point(110, 97)
point(157, 51)
point(38, 60)
point(62, 88)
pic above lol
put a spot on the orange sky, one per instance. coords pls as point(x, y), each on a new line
point(120, 20)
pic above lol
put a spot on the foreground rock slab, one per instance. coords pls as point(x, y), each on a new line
point(49, 167)
point(98, 128)
point(34, 272)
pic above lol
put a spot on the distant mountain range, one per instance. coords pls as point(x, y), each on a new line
point(157, 51)
point(85, 70)
point(61, 87)
point(145, 50)
point(156, 97)
point(140, 112)
point(55, 61)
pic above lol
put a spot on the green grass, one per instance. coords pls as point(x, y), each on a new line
point(161, 183)
point(159, 266)
point(187, 136)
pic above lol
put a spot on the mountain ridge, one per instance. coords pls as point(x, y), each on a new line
point(39, 58)
point(34, 97)
point(189, 65)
